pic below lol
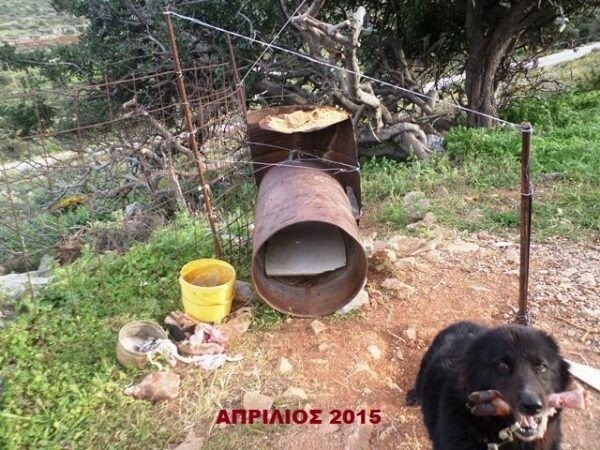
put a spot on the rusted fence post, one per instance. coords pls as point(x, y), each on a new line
point(241, 90)
point(526, 201)
point(189, 124)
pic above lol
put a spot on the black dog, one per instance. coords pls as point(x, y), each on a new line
point(521, 364)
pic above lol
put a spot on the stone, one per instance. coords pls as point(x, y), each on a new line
point(46, 264)
point(435, 143)
point(405, 245)
point(483, 235)
point(363, 367)
point(368, 244)
point(404, 290)
point(411, 334)
point(429, 218)
point(567, 273)
point(16, 284)
point(460, 246)
point(317, 326)
point(399, 354)
point(588, 280)
point(512, 255)
point(360, 437)
point(427, 247)
point(406, 263)
point(374, 351)
point(5, 316)
point(191, 442)
point(324, 346)
point(294, 394)
point(156, 387)
point(133, 210)
point(391, 255)
point(244, 292)
point(416, 205)
point(284, 366)
point(361, 299)
point(428, 221)
point(256, 400)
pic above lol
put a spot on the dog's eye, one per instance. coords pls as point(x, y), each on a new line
point(541, 367)
point(502, 366)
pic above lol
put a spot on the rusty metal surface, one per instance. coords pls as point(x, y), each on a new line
point(293, 195)
point(335, 143)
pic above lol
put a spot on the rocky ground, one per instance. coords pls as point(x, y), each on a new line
point(416, 287)
point(368, 359)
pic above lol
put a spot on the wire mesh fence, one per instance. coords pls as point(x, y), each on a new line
point(106, 164)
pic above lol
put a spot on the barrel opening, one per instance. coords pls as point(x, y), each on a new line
point(313, 276)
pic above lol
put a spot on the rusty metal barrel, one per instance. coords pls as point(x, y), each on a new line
point(307, 259)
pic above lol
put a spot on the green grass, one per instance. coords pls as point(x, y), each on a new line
point(34, 19)
point(63, 386)
point(476, 184)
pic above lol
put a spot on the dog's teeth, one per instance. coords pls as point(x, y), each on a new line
point(528, 422)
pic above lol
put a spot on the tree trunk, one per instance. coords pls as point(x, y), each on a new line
point(481, 91)
point(488, 48)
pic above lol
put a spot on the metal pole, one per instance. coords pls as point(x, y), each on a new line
point(236, 77)
point(526, 201)
point(187, 115)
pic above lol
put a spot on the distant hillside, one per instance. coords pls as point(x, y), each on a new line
point(35, 22)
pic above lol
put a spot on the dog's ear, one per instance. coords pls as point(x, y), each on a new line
point(564, 376)
point(566, 380)
point(550, 342)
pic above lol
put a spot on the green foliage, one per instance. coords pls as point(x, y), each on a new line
point(126, 38)
point(569, 133)
point(39, 235)
point(476, 184)
point(63, 386)
point(27, 117)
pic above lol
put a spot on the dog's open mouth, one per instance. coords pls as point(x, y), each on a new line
point(531, 428)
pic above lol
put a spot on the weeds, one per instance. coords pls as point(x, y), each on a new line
point(475, 185)
point(62, 383)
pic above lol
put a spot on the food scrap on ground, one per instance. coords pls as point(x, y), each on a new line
point(156, 387)
point(196, 343)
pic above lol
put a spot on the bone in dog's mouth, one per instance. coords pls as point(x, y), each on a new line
point(527, 427)
point(531, 428)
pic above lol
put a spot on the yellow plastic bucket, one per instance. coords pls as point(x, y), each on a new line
point(207, 289)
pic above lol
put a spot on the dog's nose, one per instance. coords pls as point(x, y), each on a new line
point(530, 403)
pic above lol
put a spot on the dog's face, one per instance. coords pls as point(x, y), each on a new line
point(525, 366)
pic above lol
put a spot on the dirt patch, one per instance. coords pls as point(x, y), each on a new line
point(453, 278)
point(46, 41)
